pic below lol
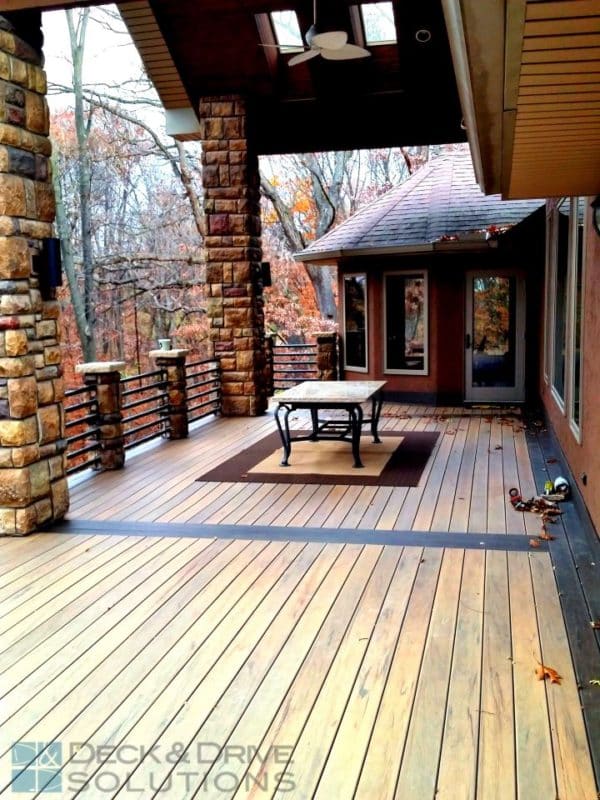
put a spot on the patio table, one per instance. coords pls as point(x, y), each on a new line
point(317, 396)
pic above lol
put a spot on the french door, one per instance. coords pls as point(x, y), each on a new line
point(495, 337)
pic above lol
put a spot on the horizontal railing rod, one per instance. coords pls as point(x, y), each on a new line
point(77, 391)
point(81, 450)
point(214, 396)
point(152, 374)
point(295, 346)
point(196, 384)
point(147, 389)
point(141, 414)
point(148, 438)
point(79, 437)
point(81, 420)
point(129, 433)
point(90, 462)
point(142, 400)
point(79, 406)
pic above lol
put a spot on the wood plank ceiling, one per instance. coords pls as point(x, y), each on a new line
point(556, 145)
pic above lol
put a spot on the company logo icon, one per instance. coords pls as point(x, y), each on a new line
point(35, 767)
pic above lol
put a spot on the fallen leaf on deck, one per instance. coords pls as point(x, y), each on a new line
point(551, 460)
point(544, 672)
point(546, 536)
point(595, 682)
point(534, 543)
point(498, 447)
point(595, 623)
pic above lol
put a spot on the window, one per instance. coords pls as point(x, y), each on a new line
point(576, 260)
point(559, 311)
point(378, 23)
point(406, 334)
point(355, 322)
point(565, 299)
point(287, 31)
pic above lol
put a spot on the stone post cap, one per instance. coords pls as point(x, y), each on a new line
point(325, 335)
point(177, 353)
point(99, 367)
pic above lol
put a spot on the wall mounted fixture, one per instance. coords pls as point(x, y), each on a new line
point(596, 214)
point(48, 266)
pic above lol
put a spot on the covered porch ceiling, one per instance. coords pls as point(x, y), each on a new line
point(404, 93)
point(527, 81)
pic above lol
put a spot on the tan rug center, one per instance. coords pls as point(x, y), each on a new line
point(331, 458)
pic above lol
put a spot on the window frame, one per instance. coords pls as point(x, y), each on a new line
point(285, 48)
point(572, 296)
point(381, 42)
point(558, 399)
point(566, 403)
point(347, 366)
point(548, 282)
point(424, 274)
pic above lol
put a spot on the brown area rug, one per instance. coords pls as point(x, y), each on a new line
point(401, 465)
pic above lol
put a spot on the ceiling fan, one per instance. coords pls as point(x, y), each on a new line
point(331, 45)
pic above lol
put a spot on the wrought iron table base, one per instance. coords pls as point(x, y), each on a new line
point(330, 429)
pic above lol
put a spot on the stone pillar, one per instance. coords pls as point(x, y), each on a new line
point(104, 378)
point(327, 359)
point(233, 253)
point(33, 486)
point(173, 364)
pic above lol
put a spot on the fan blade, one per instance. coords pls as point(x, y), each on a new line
point(330, 40)
point(345, 53)
point(303, 57)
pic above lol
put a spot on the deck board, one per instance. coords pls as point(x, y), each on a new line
point(363, 643)
point(377, 670)
point(463, 487)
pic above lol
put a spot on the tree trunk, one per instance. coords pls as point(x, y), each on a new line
point(322, 281)
point(84, 180)
point(62, 227)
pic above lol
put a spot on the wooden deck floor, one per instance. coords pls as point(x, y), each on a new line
point(302, 641)
point(464, 487)
point(218, 668)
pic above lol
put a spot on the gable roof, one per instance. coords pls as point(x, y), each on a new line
point(441, 200)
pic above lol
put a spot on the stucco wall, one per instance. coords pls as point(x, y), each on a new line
point(445, 380)
point(584, 458)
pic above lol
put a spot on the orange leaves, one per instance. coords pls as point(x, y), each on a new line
point(546, 536)
point(534, 543)
point(543, 672)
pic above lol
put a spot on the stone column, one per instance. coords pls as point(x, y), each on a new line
point(173, 364)
point(233, 253)
point(104, 378)
point(327, 356)
point(33, 486)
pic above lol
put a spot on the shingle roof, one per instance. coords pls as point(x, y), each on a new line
point(442, 199)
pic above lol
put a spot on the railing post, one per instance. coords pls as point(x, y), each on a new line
point(172, 362)
point(104, 378)
point(269, 366)
point(327, 366)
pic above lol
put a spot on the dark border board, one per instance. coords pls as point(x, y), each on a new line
point(463, 541)
point(576, 560)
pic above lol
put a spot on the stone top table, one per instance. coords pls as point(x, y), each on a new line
point(338, 395)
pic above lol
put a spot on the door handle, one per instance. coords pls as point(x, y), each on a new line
point(468, 341)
